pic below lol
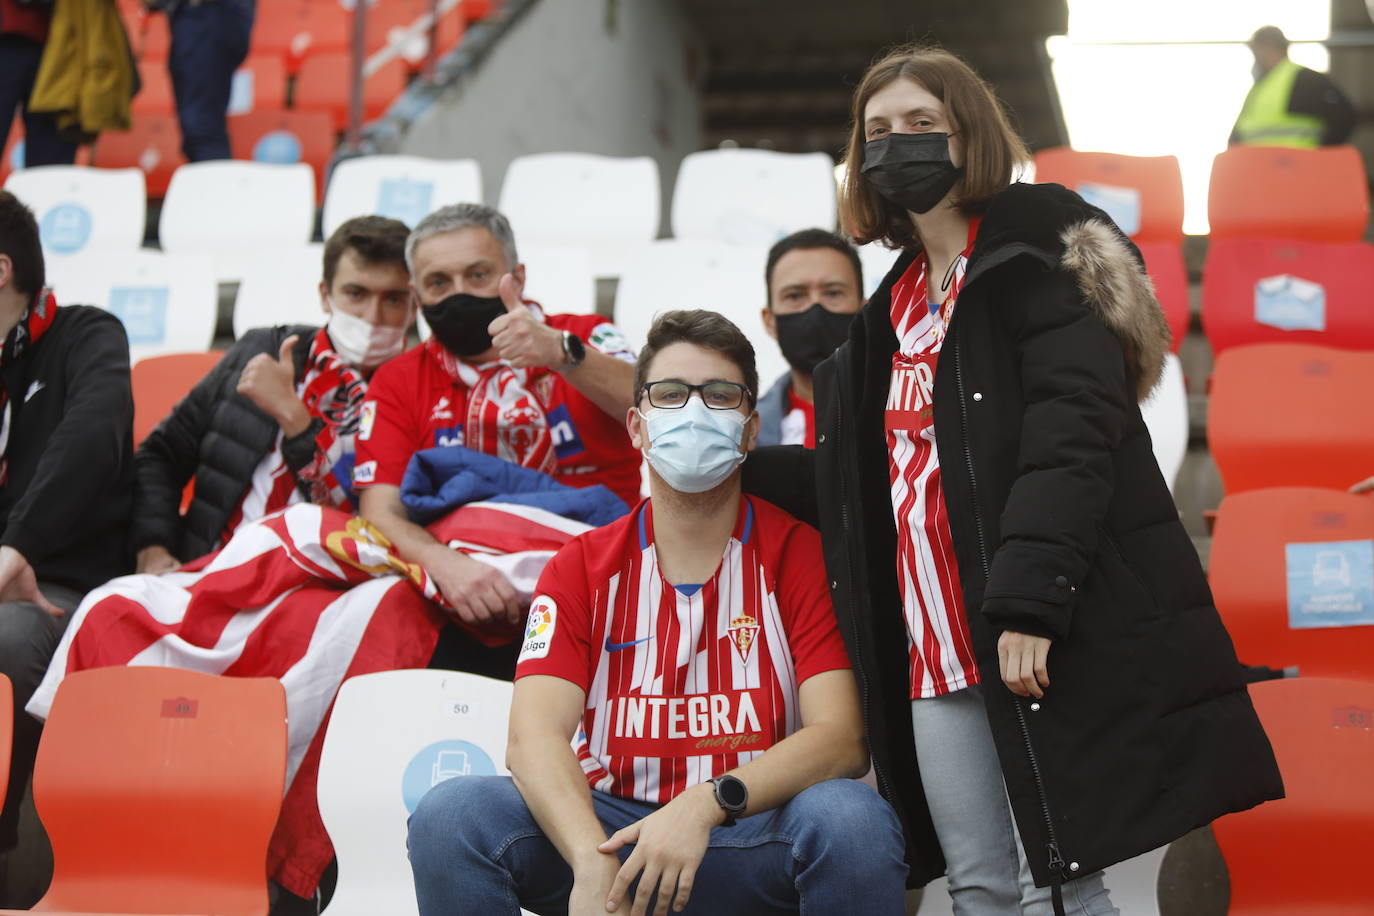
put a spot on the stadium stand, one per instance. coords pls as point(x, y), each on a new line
point(82, 209)
point(282, 288)
point(1166, 416)
point(1275, 554)
point(324, 84)
point(1323, 736)
point(1317, 195)
point(159, 382)
point(155, 90)
point(1270, 291)
point(152, 145)
point(159, 789)
point(560, 277)
point(752, 196)
point(284, 138)
point(1143, 194)
point(400, 187)
point(608, 204)
point(259, 83)
point(1291, 415)
point(1164, 264)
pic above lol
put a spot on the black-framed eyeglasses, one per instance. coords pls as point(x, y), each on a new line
point(670, 395)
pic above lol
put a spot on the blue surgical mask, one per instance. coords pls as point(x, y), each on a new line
point(694, 448)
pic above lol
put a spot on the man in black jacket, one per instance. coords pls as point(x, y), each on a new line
point(66, 471)
point(275, 419)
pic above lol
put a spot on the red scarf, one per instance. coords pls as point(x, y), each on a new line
point(33, 324)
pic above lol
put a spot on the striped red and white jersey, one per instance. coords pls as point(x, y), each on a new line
point(940, 650)
point(686, 683)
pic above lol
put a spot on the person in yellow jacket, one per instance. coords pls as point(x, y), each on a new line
point(1290, 105)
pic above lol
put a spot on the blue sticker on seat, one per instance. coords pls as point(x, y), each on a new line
point(241, 92)
point(1290, 304)
point(1330, 584)
point(17, 155)
point(66, 228)
point(280, 147)
point(143, 311)
point(1121, 204)
point(405, 200)
point(439, 762)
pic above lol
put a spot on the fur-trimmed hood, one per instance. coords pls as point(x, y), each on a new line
point(1055, 225)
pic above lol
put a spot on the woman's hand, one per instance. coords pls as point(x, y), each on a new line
point(1025, 663)
point(669, 845)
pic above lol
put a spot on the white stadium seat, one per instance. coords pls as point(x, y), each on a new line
point(674, 274)
point(607, 204)
point(392, 736)
point(752, 196)
point(281, 287)
point(406, 188)
point(1166, 415)
point(559, 277)
point(235, 212)
point(81, 209)
point(168, 303)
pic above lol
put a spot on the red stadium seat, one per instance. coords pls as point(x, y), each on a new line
point(1265, 589)
point(1318, 195)
point(259, 83)
point(1156, 180)
point(325, 85)
point(159, 789)
point(159, 382)
point(1323, 736)
point(155, 94)
point(149, 36)
point(153, 145)
point(1245, 298)
point(1291, 415)
point(285, 137)
point(1164, 264)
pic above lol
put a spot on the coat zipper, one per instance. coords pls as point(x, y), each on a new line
point(1056, 860)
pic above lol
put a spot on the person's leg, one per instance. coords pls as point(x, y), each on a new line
point(19, 60)
point(209, 41)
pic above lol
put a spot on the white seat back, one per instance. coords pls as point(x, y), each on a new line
point(406, 188)
point(559, 277)
point(281, 287)
point(168, 303)
point(607, 204)
point(235, 212)
point(674, 274)
point(752, 196)
point(83, 209)
point(1166, 415)
point(392, 736)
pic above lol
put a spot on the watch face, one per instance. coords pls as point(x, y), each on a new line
point(732, 792)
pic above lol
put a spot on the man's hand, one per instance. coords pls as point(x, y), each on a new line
point(18, 582)
point(271, 385)
point(155, 560)
point(592, 885)
point(669, 846)
point(1025, 663)
point(520, 338)
point(478, 594)
point(1364, 486)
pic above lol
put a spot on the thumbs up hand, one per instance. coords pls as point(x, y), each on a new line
point(270, 383)
point(519, 337)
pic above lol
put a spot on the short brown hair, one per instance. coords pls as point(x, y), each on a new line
point(705, 329)
point(375, 239)
point(992, 150)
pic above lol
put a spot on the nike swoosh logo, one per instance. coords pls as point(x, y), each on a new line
point(34, 388)
point(617, 646)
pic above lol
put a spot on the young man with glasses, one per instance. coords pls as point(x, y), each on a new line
point(692, 648)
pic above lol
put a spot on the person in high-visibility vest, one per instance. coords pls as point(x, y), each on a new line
point(1290, 105)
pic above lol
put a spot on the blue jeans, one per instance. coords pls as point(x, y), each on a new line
point(209, 41)
point(19, 60)
point(962, 779)
point(834, 848)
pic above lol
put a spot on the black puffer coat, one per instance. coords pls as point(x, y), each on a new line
point(1063, 527)
point(218, 436)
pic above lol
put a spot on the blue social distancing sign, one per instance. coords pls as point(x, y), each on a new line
point(143, 310)
point(1121, 204)
point(403, 199)
point(441, 761)
point(1290, 303)
point(1330, 584)
point(66, 228)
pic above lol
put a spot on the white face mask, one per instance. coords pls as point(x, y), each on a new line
point(360, 344)
point(692, 447)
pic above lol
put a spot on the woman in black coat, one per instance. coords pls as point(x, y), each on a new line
point(1047, 685)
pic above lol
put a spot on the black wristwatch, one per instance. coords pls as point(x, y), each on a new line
point(732, 795)
point(574, 351)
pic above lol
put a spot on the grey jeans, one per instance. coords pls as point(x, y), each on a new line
point(962, 779)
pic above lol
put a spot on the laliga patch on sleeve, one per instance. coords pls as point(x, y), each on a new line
point(608, 339)
point(1330, 584)
point(1290, 303)
point(539, 628)
point(365, 472)
point(1121, 204)
point(365, 421)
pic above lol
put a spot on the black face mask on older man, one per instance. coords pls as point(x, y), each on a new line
point(460, 322)
point(913, 171)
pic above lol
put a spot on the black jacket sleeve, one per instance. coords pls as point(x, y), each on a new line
point(1073, 381)
point(87, 450)
point(1315, 95)
point(784, 475)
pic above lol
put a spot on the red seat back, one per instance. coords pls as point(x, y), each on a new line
point(264, 75)
point(1156, 179)
point(1284, 415)
point(160, 789)
point(155, 93)
point(1230, 291)
point(1319, 195)
point(284, 137)
point(160, 382)
point(1323, 737)
point(153, 144)
point(1264, 547)
point(1164, 263)
point(325, 84)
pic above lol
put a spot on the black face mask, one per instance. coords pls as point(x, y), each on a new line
point(912, 171)
point(809, 337)
point(460, 322)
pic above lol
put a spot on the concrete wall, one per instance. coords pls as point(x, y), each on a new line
point(594, 76)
